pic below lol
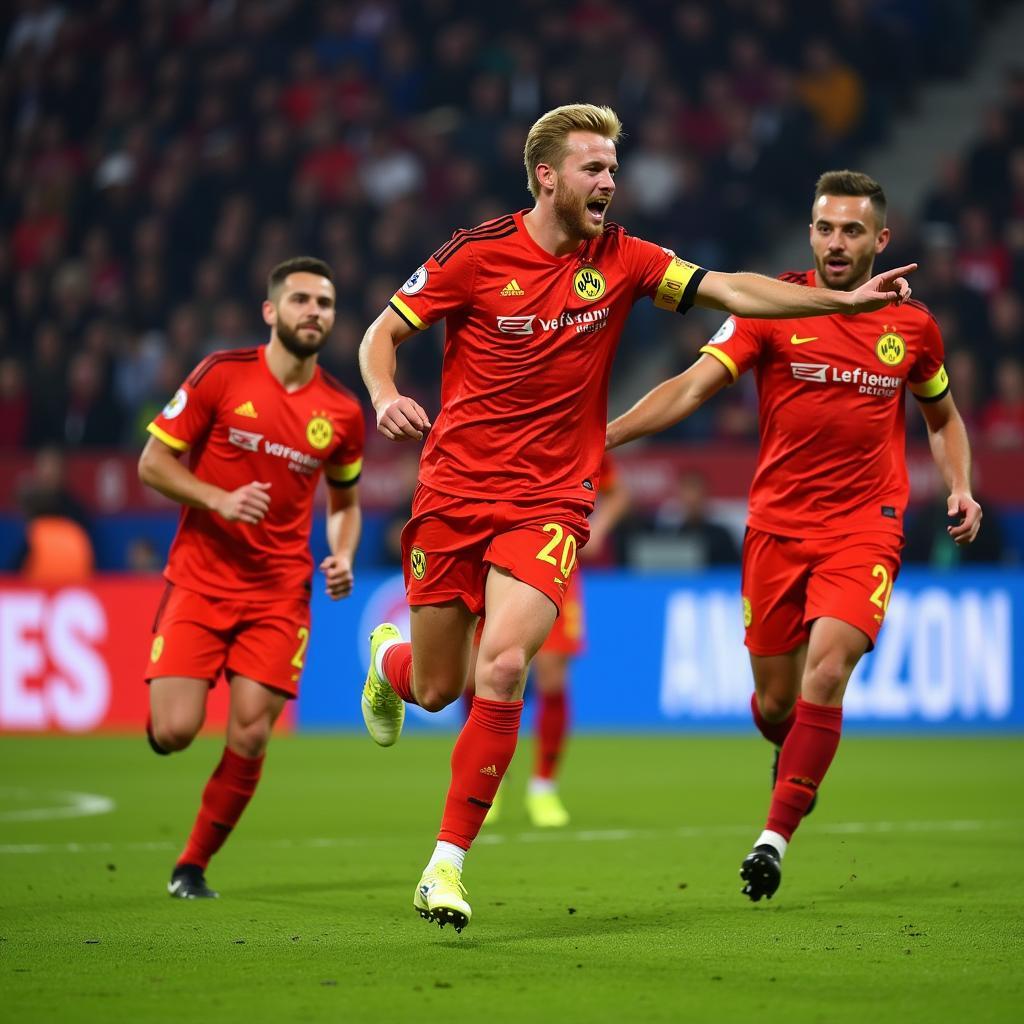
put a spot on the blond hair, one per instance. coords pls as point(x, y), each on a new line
point(548, 139)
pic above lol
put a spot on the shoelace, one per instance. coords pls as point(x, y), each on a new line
point(447, 873)
point(380, 700)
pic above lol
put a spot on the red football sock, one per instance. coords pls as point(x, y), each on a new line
point(552, 728)
point(397, 665)
point(805, 757)
point(229, 790)
point(481, 756)
point(774, 732)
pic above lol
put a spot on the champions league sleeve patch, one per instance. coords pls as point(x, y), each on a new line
point(176, 406)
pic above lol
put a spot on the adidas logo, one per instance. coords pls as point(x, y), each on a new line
point(247, 409)
point(512, 288)
point(491, 770)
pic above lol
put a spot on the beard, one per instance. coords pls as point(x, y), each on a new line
point(571, 213)
point(298, 346)
point(854, 274)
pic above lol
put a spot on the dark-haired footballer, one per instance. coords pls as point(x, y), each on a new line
point(260, 425)
point(825, 527)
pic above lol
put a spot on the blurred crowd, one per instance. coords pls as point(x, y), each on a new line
point(160, 156)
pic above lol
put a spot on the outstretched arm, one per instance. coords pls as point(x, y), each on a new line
point(398, 418)
point(671, 401)
point(951, 450)
point(767, 298)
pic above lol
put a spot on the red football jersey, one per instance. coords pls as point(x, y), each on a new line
point(239, 424)
point(528, 350)
point(831, 394)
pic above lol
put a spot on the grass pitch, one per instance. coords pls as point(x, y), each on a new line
point(900, 901)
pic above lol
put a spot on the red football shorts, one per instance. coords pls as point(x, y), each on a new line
point(788, 583)
point(199, 637)
point(450, 542)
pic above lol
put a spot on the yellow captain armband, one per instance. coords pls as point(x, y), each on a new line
point(344, 476)
point(678, 285)
point(932, 389)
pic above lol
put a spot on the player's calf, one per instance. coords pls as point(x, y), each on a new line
point(775, 778)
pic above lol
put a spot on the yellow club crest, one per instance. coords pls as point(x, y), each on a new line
point(891, 349)
point(418, 563)
point(748, 613)
point(589, 284)
point(157, 649)
point(319, 431)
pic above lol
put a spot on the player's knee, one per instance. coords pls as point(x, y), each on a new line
point(435, 697)
point(174, 733)
point(251, 739)
point(775, 708)
point(826, 679)
point(505, 677)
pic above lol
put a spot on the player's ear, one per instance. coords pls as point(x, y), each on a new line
point(546, 175)
point(269, 313)
point(882, 240)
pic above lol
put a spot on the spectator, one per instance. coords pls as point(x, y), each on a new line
point(1006, 326)
point(982, 261)
point(92, 418)
point(965, 383)
point(683, 534)
point(1002, 419)
point(47, 390)
point(57, 549)
point(833, 92)
point(14, 404)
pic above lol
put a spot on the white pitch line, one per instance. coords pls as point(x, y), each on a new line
point(69, 805)
point(554, 836)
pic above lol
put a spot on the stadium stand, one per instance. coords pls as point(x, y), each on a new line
point(159, 157)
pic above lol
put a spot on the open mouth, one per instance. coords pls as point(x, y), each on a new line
point(837, 266)
point(597, 207)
